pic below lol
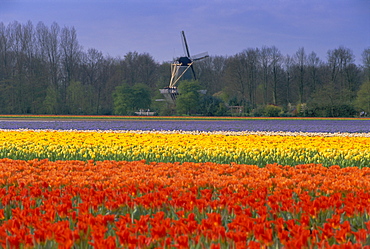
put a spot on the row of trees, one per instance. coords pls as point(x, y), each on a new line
point(300, 82)
point(44, 70)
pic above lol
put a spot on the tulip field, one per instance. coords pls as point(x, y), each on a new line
point(184, 188)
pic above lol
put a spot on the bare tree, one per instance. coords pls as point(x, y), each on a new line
point(288, 65)
point(140, 68)
point(34, 81)
point(252, 63)
point(266, 61)
point(314, 63)
point(337, 60)
point(6, 68)
point(70, 51)
point(92, 65)
point(22, 69)
point(344, 74)
point(211, 73)
point(5, 48)
point(48, 40)
point(108, 84)
point(366, 62)
point(236, 77)
point(147, 70)
point(301, 60)
point(276, 59)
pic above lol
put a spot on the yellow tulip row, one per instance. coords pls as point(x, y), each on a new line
point(256, 149)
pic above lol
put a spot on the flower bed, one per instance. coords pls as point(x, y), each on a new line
point(332, 125)
point(114, 204)
point(140, 189)
point(224, 147)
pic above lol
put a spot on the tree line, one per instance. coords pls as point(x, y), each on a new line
point(44, 70)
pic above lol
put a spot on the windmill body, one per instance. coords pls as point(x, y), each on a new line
point(178, 69)
point(184, 61)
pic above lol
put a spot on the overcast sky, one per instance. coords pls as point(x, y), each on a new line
point(220, 27)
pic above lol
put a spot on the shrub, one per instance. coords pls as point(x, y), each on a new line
point(272, 111)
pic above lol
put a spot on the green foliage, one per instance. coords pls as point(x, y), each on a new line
point(234, 101)
point(122, 99)
point(186, 86)
point(188, 100)
point(268, 111)
point(344, 110)
point(78, 98)
point(51, 100)
point(302, 109)
point(223, 95)
point(272, 111)
point(366, 62)
point(329, 101)
point(187, 103)
point(258, 111)
point(162, 108)
point(127, 100)
point(212, 106)
point(141, 96)
point(363, 97)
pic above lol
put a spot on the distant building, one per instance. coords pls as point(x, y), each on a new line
point(145, 113)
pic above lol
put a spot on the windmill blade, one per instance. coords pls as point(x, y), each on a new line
point(200, 56)
point(192, 69)
point(185, 44)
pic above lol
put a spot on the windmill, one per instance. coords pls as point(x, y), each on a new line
point(178, 68)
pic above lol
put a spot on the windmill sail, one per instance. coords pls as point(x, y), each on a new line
point(200, 56)
point(185, 44)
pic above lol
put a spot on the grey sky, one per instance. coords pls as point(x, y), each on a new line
point(220, 27)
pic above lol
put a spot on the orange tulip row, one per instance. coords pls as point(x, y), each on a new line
point(122, 204)
point(115, 174)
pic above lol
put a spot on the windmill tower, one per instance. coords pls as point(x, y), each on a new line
point(178, 68)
